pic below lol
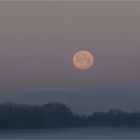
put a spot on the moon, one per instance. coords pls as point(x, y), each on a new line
point(83, 60)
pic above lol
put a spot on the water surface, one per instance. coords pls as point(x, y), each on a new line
point(73, 133)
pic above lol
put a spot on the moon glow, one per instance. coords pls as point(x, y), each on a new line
point(83, 60)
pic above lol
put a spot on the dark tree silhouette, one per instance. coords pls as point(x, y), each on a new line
point(57, 115)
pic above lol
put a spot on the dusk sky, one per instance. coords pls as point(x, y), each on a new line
point(38, 40)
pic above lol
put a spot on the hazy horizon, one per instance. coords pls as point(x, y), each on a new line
point(80, 101)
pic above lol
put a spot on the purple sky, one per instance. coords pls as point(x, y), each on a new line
point(38, 40)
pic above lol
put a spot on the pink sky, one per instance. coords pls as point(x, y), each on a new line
point(38, 40)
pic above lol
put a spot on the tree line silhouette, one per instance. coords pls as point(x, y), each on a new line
point(57, 115)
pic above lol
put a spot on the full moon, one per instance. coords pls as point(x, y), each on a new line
point(83, 60)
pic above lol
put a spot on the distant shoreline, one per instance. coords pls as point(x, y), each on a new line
point(58, 115)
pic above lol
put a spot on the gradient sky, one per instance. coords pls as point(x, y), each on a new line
point(38, 40)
